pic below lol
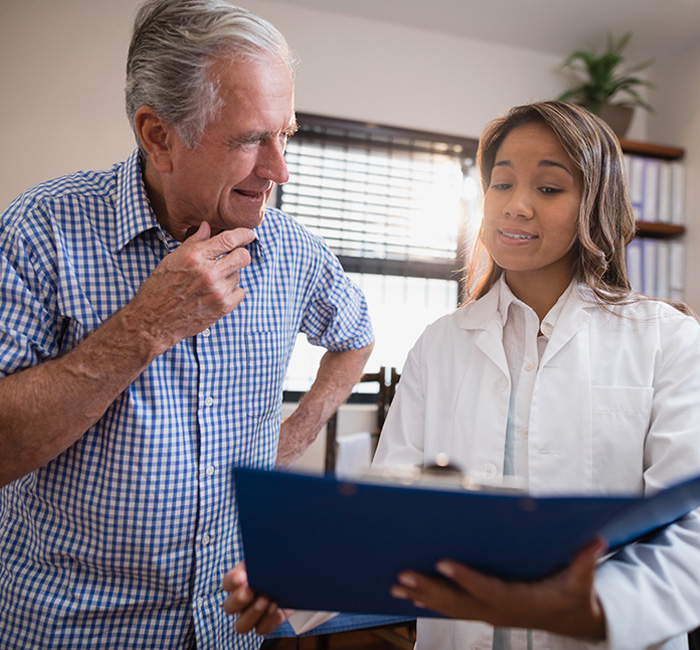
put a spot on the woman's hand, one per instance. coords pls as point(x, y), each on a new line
point(565, 603)
point(254, 612)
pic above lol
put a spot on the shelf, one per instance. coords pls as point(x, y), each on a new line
point(659, 230)
point(652, 150)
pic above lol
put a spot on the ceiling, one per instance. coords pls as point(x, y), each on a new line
point(660, 28)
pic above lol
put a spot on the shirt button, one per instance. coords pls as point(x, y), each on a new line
point(209, 401)
point(525, 433)
point(210, 470)
point(206, 332)
point(529, 366)
point(205, 539)
point(489, 470)
point(547, 328)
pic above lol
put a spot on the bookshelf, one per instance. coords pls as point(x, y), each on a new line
point(656, 180)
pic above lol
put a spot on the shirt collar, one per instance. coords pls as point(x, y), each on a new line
point(134, 213)
point(506, 298)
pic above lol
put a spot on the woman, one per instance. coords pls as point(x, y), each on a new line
point(559, 377)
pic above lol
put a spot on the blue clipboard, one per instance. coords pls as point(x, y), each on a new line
point(324, 544)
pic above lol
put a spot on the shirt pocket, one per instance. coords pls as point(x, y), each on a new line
point(267, 357)
point(621, 418)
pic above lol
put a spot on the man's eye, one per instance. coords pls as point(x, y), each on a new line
point(550, 190)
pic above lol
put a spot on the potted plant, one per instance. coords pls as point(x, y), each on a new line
point(602, 81)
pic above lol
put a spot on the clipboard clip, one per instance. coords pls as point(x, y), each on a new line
point(445, 475)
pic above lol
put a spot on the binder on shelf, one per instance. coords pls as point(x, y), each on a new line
point(650, 203)
point(633, 260)
point(650, 266)
point(636, 185)
point(320, 543)
point(663, 269)
point(678, 193)
point(665, 192)
point(677, 270)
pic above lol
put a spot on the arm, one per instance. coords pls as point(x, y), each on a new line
point(47, 408)
point(338, 372)
point(660, 575)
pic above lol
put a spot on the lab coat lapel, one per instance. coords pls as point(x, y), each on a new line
point(483, 315)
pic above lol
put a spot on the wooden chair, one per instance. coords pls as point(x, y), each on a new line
point(386, 380)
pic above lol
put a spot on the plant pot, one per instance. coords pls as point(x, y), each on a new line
point(618, 117)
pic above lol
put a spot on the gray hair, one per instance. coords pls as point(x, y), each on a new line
point(173, 46)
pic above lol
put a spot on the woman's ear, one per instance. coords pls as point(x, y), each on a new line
point(155, 136)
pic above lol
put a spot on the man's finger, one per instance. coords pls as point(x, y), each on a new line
point(251, 615)
point(235, 578)
point(200, 234)
point(228, 240)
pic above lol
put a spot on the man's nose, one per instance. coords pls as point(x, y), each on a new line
point(271, 162)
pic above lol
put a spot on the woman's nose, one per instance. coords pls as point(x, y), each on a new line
point(519, 205)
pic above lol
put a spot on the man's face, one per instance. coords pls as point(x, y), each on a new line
point(227, 179)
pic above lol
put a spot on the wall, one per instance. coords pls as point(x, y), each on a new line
point(677, 122)
point(62, 77)
point(62, 74)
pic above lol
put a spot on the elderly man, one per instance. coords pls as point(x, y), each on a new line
point(147, 316)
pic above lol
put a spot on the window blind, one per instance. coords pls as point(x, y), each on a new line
point(386, 200)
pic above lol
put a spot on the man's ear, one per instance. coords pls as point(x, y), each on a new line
point(156, 137)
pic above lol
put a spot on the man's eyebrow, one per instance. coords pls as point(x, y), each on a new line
point(257, 136)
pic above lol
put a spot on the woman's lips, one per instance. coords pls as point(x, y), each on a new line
point(516, 235)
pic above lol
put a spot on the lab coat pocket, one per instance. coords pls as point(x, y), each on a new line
point(621, 417)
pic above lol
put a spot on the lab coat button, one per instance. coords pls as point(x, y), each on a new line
point(501, 385)
point(489, 470)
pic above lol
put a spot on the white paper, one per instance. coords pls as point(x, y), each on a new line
point(354, 456)
point(303, 620)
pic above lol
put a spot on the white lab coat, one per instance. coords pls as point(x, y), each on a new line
point(615, 409)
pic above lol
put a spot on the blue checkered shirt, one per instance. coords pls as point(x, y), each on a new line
point(123, 540)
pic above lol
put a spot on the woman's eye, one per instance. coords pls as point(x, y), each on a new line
point(550, 190)
point(500, 186)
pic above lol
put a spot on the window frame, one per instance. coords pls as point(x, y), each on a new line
point(364, 136)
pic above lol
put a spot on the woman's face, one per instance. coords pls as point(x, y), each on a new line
point(531, 207)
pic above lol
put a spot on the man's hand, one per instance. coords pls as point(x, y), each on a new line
point(565, 603)
point(193, 287)
point(254, 612)
point(47, 408)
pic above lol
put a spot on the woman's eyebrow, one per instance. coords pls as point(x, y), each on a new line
point(543, 163)
point(554, 163)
